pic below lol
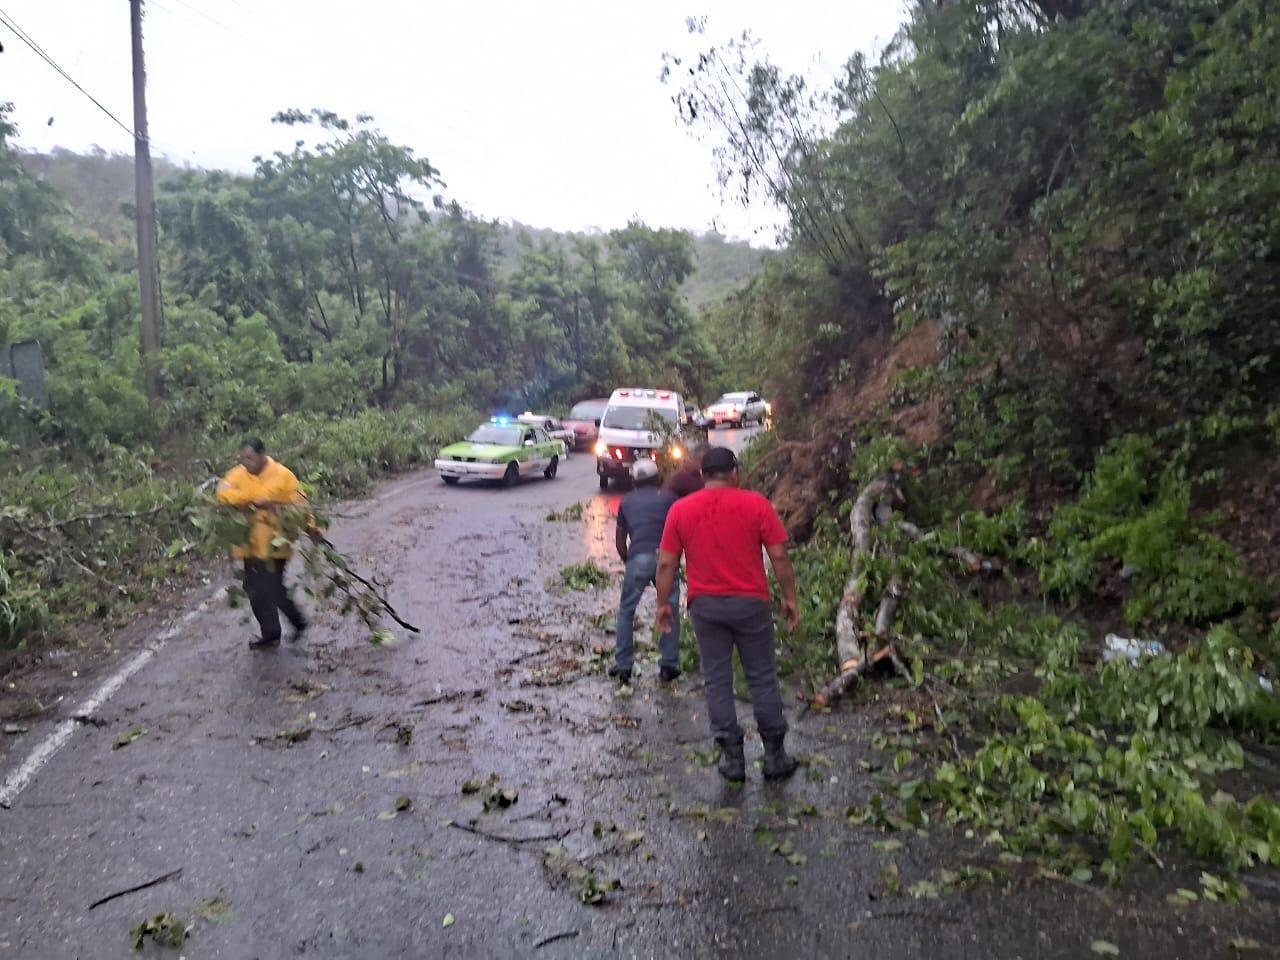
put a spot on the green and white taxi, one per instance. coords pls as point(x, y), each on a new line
point(501, 450)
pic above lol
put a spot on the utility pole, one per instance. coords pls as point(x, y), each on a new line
point(148, 278)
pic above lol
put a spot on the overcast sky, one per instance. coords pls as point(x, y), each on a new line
point(549, 112)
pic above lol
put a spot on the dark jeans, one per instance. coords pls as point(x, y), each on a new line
point(642, 570)
point(264, 583)
point(721, 624)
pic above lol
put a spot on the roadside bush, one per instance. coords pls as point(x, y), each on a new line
point(22, 608)
point(1134, 513)
point(344, 457)
point(821, 566)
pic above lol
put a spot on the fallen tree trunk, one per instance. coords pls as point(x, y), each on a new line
point(874, 506)
point(848, 636)
point(893, 593)
point(884, 655)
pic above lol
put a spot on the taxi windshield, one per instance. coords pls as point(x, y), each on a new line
point(498, 435)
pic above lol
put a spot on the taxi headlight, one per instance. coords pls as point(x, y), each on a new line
point(601, 448)
point(676, 453)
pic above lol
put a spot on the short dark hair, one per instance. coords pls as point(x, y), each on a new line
point(718, 461)
point(254, 444)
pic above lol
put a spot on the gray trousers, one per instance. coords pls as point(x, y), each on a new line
point(721, 624)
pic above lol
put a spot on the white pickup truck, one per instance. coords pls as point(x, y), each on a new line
point(737, 409)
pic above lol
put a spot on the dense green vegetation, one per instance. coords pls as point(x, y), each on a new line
point(1076, 205)
point(326, 302)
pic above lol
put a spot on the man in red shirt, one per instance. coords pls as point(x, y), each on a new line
point(720, 530)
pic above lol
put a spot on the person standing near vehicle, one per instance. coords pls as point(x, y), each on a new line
point(261, 486)
point(641, 518)
point(688, 479)
point(720, 531)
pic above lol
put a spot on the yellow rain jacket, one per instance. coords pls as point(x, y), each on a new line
point(240, 488)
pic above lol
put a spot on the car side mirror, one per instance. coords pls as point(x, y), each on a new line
point(597, 423)
point(529, 443)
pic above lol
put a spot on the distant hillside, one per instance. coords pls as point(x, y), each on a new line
point(98, 187)
point(720, 265)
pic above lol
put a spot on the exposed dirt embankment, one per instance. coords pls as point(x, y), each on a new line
point(1250, 508)
point(796, 475)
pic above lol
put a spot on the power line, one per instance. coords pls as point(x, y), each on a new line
point(22, 35)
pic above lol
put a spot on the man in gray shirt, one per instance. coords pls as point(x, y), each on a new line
point(641, 518)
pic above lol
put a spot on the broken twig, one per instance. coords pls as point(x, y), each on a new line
point(142, 886)
point(540, 837)
point(566, 935)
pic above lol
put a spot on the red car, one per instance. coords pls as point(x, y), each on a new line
point(584, 421)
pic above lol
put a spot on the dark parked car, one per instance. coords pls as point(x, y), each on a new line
point(584, 421)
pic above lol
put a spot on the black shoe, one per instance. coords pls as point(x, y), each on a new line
point(259, 643)
point(733, 760)
point(778, 764)
point(623, 676)
point(296, 634)
point(667, 674)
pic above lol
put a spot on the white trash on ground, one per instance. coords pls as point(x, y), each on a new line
point(1132, 649)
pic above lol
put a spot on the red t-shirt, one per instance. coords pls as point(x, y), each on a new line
point(720, 532)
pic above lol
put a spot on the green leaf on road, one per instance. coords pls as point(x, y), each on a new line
point(127, 738)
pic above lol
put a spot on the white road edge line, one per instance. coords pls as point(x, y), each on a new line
point(399, 490)
point(42, 754)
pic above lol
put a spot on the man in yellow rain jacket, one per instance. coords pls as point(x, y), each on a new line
point(264, 486)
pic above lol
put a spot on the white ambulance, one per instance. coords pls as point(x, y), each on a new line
point(626, 432)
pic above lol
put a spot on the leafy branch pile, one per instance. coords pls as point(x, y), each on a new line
point(77, 543)
point(1019, 733)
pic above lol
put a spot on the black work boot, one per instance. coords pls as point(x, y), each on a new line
point(733, 760)
point(778, 764)
point(618, 673)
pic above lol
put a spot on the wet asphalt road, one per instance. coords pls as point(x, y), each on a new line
point(272, 781)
